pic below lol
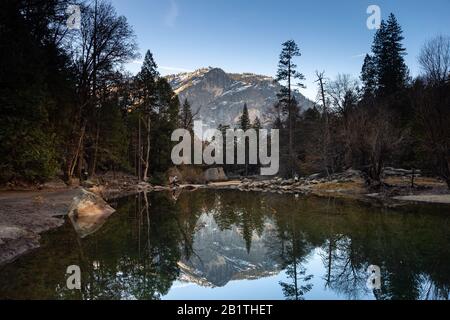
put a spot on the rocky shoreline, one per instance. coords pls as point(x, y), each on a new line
point(398, 189)
point(24, 215)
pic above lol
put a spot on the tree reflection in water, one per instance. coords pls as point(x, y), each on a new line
point(211, 238)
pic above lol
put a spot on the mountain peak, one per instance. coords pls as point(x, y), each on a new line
point(220, 96)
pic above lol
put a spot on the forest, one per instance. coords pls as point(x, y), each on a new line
point(385, 118)
point(70, 110)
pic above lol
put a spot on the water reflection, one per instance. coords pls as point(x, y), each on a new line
point(159, 246)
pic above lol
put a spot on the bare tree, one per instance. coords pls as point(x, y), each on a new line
point(338, 91)
point(372, 140)
point(434, 59)
point(432, 112)
point(326, 128)
point(104, 42)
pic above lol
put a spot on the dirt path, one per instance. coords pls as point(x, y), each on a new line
point(24, 215)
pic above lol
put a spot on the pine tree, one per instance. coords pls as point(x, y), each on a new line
point(368, 77)
point(388, 51)
point(244, 120)
point(244, 123)
point(147, 100)
point(287, 72)
point(186, 116)
point(257, 124)
point(397, 52)
point(165, 120)
point(149, 69)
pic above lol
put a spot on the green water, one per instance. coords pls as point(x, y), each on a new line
point(237, 245)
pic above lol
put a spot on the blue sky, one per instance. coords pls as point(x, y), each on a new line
point(246, 35)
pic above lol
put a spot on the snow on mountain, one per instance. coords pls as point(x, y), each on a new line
point(220, 96)
point(220, 256)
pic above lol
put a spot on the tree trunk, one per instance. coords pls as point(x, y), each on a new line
point(291, 134)
point(445, 170)
point(93, 169)
point(74, 161)
point(326, 129)
point(147, 157)
point(139, 168)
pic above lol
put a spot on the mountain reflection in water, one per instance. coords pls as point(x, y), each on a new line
point(236, 245)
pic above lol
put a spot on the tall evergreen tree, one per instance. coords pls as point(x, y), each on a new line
point(287, 72)
point(245, 124)
point(257, 124)
point(391, 70)
point(164, 121)
point(244, 120)
point(369, 77)
point(146, 81)
point(186, 116)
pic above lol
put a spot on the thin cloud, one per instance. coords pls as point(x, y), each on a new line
point(172, 15)
point(359, 55)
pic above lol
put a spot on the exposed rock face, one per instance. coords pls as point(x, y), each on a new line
point(221, 96)
point(215, 174)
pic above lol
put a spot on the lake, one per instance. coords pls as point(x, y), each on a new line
point(211, 244)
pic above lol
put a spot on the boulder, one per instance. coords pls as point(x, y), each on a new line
point(88, 212)
point(215, 174)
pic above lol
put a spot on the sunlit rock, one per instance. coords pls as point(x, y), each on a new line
point(88, 213)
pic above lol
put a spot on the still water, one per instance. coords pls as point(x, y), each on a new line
point(236, 245)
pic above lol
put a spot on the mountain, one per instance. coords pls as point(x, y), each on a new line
point(220, 96)
point(220, 256)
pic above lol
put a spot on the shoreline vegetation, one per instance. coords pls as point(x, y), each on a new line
point(31, 211)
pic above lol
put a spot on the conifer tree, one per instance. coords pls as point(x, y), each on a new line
point(368, 77)
point(244, 120)
point(287, 72)
point(186, 116)
point(244, 123)
point(388, 53)
point(257, 124)
point(147, 99)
